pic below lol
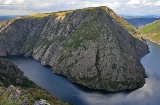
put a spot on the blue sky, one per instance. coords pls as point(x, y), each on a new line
point(130, 7)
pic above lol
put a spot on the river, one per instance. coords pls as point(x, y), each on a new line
point(60, 87)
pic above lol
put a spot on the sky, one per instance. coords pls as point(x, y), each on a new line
point(121, 7)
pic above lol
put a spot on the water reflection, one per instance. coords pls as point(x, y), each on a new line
point(148, 95)
point(78, 95)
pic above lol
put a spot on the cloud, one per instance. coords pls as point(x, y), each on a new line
point(11, 2)
point(143, 3)
point(134, 2)
point(67, 5)
point(139, 3)
point(119, 6)
point(113, 5)
point(157, 3)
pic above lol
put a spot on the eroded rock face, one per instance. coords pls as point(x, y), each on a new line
point(93, 47)
point(109, 60)
point(19, 96)
point(41, 102)
point(13, 93)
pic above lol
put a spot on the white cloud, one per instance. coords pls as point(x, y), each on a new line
point(157, 3)
point(134, 2)
point(11, 2)
point(112, 5)
point(139, 3)
point(119, 6)
point(8, 2)
point(72, 2)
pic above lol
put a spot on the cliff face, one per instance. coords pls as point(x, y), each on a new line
point(92, 46)
point(151, 31)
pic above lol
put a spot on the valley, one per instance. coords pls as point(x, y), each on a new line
point(85, 56)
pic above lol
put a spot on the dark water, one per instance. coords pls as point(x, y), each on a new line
point(69, 92)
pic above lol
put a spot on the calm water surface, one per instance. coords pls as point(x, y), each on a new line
point(72, 93)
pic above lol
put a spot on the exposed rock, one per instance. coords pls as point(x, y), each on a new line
point(41, 102)
point(92, 46)
point(24, 101)
point(25, 97)
point(19, 81)
point(12, 93)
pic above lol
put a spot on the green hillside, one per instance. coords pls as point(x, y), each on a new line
point(151, 31)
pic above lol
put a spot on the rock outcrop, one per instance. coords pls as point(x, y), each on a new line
point(41, 102)
point(16, 96)
point(92, 46)
point(13, 94)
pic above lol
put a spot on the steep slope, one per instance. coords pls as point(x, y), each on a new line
point(151, 31)
point(11, 75)
point(92, 46)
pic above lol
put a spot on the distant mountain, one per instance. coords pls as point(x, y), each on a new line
point(151, 31)
point(145, 16)
point(142, 21)
point(7, 17)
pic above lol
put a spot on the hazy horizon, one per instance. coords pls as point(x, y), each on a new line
point(121, 7)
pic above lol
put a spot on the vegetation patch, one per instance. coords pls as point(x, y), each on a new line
point(86, 31)
point(153, 27)
point(114, 66)
point(151, 31)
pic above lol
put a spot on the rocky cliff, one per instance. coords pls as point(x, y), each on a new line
point(92, 46)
